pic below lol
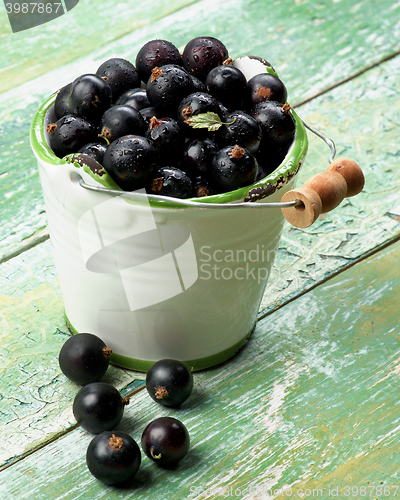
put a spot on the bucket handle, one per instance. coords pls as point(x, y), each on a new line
point(301, 207)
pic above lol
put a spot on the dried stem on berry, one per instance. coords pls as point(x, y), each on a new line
point(160, 392)
point(237, 152)
point(107, 352)
point(51, 128)
point(154, 122)
point(155, 73)
point(115, 443)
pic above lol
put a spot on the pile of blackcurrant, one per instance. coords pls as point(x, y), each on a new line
point(113, 456)
point(181, 125)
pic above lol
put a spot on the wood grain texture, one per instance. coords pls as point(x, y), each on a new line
point(35, 397)
point(361, 117)
point(311, 46)
point(311, 402)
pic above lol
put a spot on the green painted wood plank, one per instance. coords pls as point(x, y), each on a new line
point(35, 397)
point(311, 402)
point(312, 45)
point(28, 54)
point(305, 257)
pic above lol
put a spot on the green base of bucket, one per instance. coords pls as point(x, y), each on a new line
point(142, 365)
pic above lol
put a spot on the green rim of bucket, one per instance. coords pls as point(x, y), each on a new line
point(142, 365)
point(286, 170)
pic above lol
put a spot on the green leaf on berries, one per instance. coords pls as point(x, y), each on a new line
point(209, 120)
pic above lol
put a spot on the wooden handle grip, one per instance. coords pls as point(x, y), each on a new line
point(324, 192)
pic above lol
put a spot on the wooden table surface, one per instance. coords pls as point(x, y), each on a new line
point(311, 405)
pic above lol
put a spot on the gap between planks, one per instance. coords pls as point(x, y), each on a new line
point(54, 438)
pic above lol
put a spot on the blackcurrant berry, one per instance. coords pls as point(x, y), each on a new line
point(203, 186)
point(166, 441)
point(192, 105)
point(233, 167)
point(149, 113)
point(89, 97)
point(61, 106)
point(167, 86)
point(137, 98)
point(228, 85)
point(167, 137)
point(276, 122)
point(156, 53)
point(202, 54)
point(197, 156)
point(120, 74)
point(121, 120)
point(95, 150)
point(113, 457)
point(197, 84)
point(98, 407)
point(171, 181)
point(169, 382)
point(69, 134)
point(265, 87)
point(131, 161)
point(240, 128)
point(84, 358)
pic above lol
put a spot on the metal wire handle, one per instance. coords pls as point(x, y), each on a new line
point(198, 204)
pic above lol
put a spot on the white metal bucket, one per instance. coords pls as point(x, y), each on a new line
point(153, 278)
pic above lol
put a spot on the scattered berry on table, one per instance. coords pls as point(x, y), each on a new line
point(113, 457)
point(169, 382)
point(166, 441)
point(84, 358)
point(98, 407)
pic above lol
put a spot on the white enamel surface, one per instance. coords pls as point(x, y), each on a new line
point(155, 282)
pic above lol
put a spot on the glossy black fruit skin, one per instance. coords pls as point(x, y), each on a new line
point(228, 85)
point(98, 407)
point(95, 150)
point(276, 122)
point(234, 167)
point(242, 129)
point(169, 382)
point(84, 358)
point(166, 441)
point(61, 106)
point(197, 156)
point(167, 137)
point(148, 113)
point(167, 86)
point(69, 134)
point(120, 74)
point(131, 161)
point(137, 98)
point(265, 87)
point(202, 54)
point(89, 97)
point(172, 182)
point(113, 457)
point(120, 120)
point(156, 53)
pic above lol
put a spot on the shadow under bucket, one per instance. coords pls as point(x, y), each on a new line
point(152, 277)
